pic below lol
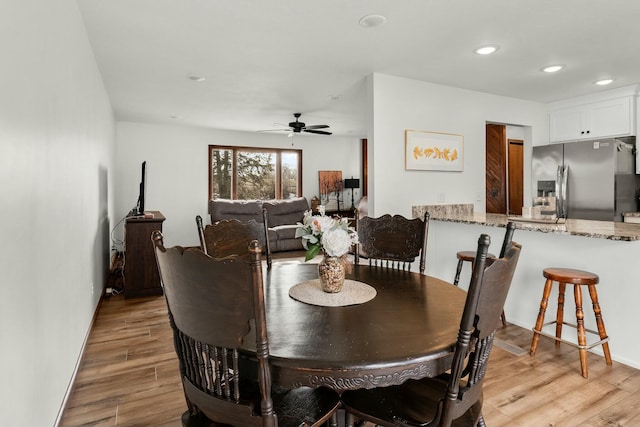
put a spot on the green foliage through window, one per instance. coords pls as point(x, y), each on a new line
point(254, 173)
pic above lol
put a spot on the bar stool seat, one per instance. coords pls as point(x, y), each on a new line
point(577, 278)
point(469, 256)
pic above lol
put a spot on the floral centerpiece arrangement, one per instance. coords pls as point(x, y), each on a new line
point(334, 237)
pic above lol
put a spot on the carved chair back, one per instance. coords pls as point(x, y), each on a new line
point(486, 296)
point(212, 303)
point(392, 241)
point(231, 237)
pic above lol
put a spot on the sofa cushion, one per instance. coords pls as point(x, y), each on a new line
point(242, 210)
point(285, 212)
point(285, 238)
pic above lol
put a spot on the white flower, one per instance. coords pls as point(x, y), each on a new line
point(336, 242)
point(321, 224)
point(321, 232)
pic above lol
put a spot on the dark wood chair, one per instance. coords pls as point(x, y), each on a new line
point(470, 257)
point(212, 303)
point(232, 237)
point(456, 397)
point(392, 241)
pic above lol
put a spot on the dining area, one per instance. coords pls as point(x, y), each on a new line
point(270, 344)
point(246, 338)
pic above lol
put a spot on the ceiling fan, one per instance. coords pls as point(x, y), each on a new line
point(298, 126)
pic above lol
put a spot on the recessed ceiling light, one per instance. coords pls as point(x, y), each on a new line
point(603, 82)
point(553, 68)
point(371, 21)
point(486, 50)
point(196, 78)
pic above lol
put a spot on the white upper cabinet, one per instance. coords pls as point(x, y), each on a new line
point(607, 118)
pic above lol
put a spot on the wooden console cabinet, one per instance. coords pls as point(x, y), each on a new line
point(141, 277)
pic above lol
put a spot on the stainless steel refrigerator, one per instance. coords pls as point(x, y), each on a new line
point(593, 179)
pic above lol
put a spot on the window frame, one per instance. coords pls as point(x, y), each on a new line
point(278, 170)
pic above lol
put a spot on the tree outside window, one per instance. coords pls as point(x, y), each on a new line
point(254, 173)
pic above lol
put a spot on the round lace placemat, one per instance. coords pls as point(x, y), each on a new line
point(353, 292)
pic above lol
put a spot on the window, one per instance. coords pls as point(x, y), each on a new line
point(254, 173)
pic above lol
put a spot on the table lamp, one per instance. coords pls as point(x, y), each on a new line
point(352, 183)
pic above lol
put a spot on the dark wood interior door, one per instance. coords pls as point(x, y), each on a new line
point(516, 173)
point(496, 197)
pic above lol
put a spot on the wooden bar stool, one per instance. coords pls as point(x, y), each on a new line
point(577, 278)
point(470, 256)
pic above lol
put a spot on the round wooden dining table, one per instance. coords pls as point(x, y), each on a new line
point(407, 331)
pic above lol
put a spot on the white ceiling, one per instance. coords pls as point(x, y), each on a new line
point(263, 60)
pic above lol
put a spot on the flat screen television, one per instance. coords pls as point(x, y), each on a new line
point(141, 195)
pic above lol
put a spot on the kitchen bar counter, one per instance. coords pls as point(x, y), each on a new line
point(576, 227)
point(609, 249)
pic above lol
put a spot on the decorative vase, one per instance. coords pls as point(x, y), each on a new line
point(331, 273)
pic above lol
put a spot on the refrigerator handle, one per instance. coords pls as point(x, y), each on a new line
point(561, 191)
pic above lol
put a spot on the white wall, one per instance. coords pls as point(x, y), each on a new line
point(56, 157)
point(177, 168)
point(400, 104)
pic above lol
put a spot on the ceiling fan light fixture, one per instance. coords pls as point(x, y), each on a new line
point(486, 50)
point(372, 21)
point(553, 68)
point(290, 134)
point(603, 82)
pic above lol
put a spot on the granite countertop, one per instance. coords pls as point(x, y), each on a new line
point(577, 227)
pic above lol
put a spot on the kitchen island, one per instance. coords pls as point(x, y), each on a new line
point(576, 227)
point(609, 249)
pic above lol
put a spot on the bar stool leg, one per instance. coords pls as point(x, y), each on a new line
point(458, 270)
point(582, 335)
point(560, 312)
point(540, 321)
point(601, 330)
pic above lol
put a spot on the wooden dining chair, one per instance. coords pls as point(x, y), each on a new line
point(231, 237)
point(470, 257)
point(392, 241)
point(457, 395)
point(215, 304)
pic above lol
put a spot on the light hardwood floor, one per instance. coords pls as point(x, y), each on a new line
point(129, 377)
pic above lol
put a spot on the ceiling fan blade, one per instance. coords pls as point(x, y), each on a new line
point(317, 127)
point(276, 130)
point(320, 132)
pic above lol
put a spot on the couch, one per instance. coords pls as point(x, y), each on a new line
point(282, 217)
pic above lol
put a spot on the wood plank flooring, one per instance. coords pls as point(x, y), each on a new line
point(129, 377)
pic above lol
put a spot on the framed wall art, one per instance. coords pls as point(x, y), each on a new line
point(330, 183)
point(434, 151)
